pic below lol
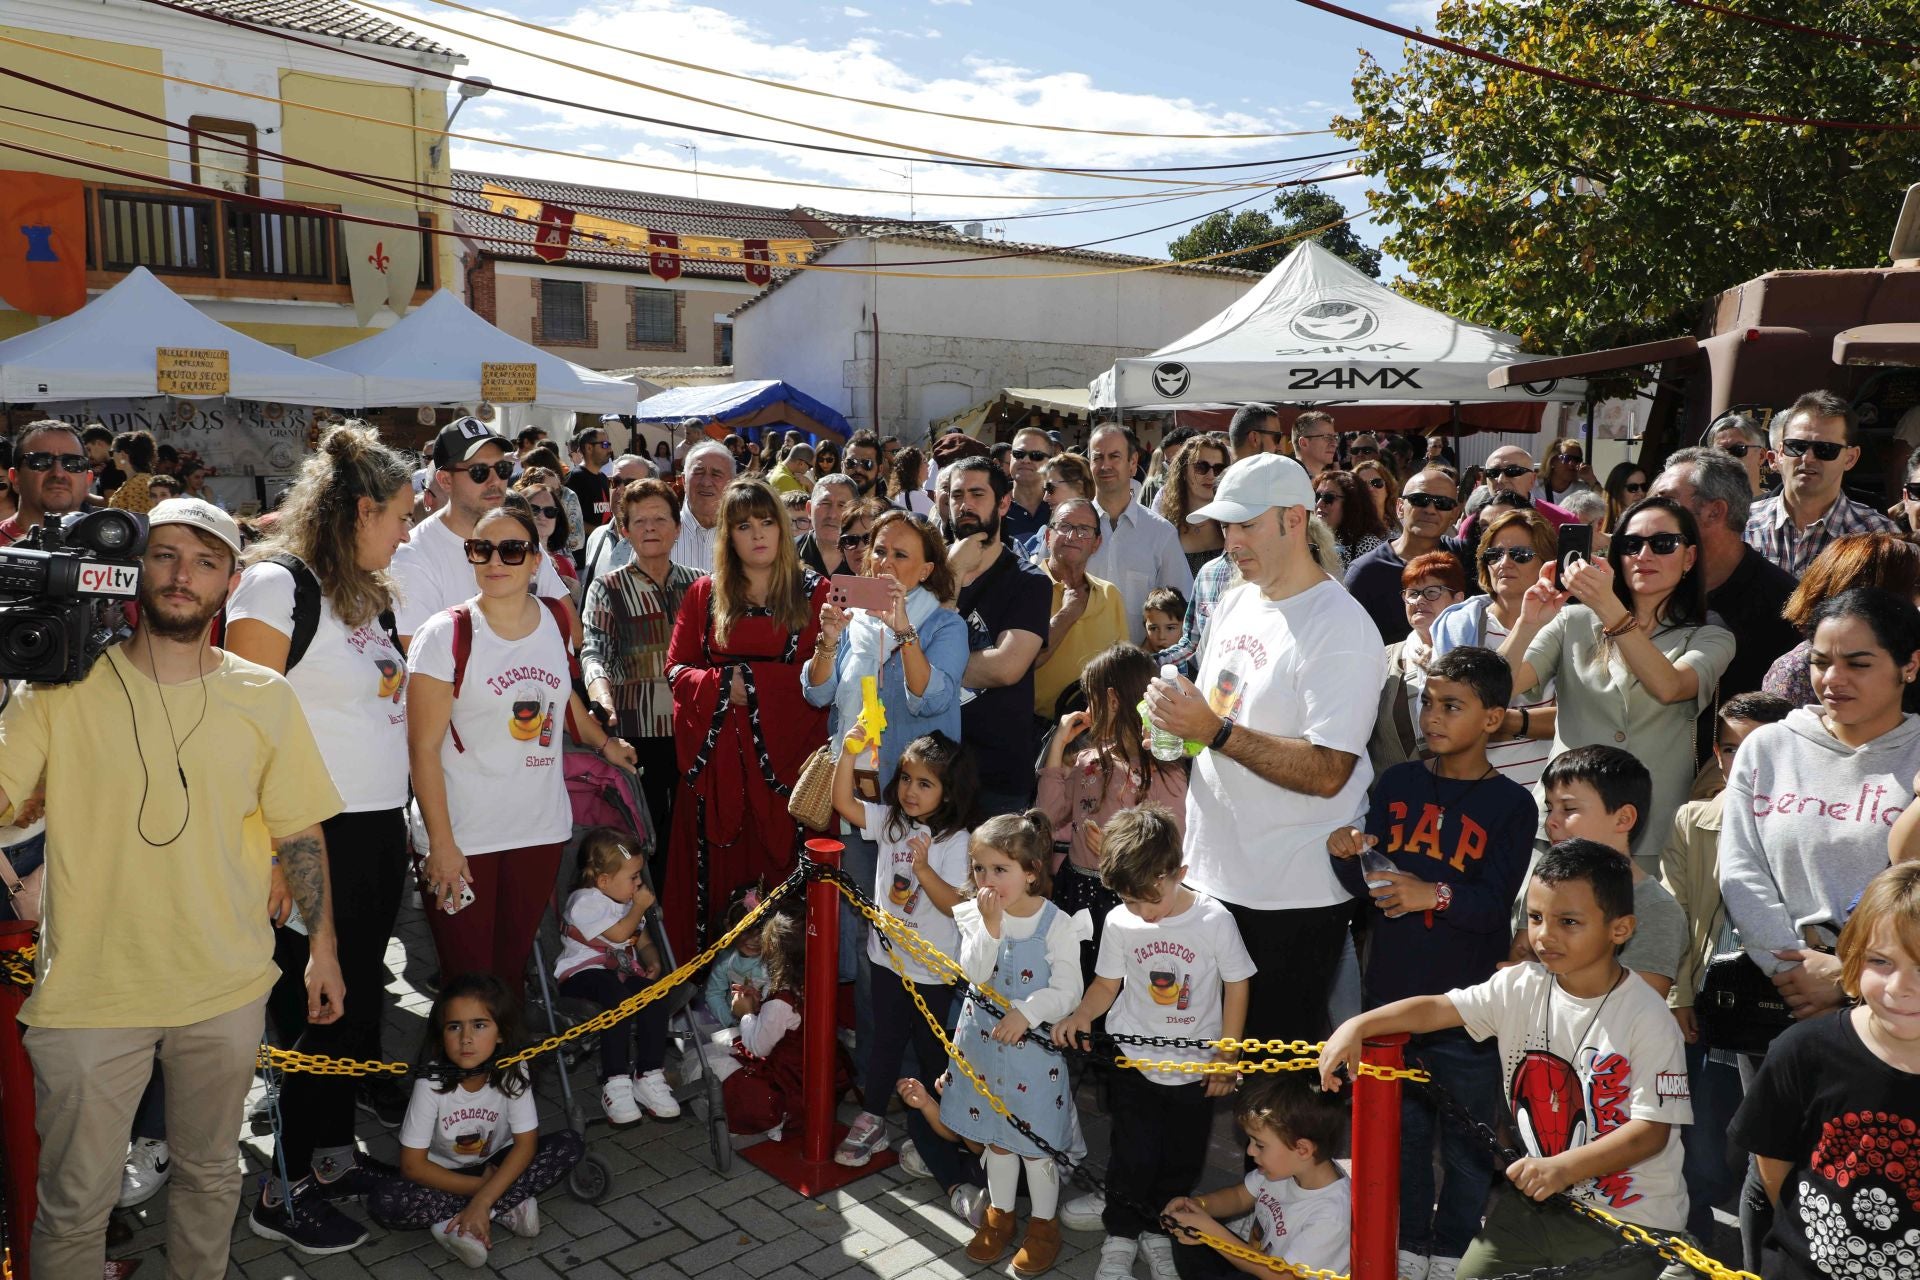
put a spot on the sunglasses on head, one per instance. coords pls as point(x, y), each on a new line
point(1825, 450)
point(1662, 544)
point(512, 551)
point(1205, 468)
point(1511, 472)
point(71, 463)
point(1519, 555)
point(1029, 455)
point(1438, 501)
point(479, 471)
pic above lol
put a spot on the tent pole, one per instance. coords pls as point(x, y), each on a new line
point(1454, 426)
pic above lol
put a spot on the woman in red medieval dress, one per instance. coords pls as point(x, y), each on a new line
point(741, 730)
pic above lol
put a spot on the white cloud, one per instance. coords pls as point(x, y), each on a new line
point(850, 12)
point(958, 2)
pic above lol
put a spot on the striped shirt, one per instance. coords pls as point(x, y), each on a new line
point(628, 620)
point(1770, 530)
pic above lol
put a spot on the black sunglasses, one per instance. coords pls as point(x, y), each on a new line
point(863, 464)
point(479, 471)
point(1376, 482)
point(1825, 450)
point(549, 512)
point(1438, 501)
point(1663, 544)
point(1634, 488)
point(1519, 555)
point(1325, 499)
point(71, 463)
point(1572, 457)
point(1738, 450)
point(512, 551)
point(1913, 490)
point(1509, 472)
point(1364, 450)
point(854, 541)
point(1029, 455)
point(1206, 468)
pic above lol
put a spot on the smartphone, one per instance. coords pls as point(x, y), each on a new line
point(851, 591)
point(456, 905)
point(1575, 540)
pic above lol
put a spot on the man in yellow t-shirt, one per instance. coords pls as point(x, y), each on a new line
point(1089, 613)
point(794, 474)
point(174, 773)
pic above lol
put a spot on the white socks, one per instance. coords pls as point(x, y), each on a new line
point(1043, 1185)
point(1003, 1181)
point(1003, 1178)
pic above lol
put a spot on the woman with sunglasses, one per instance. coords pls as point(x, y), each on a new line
point(1514, 547)
point(1906, 511)
point(1343, 505)
point(741, 728)
point(541, 489)
point(826, 458)
point(546, 457)
point(1381, 485)
point(486, 754)
point(1067, 476)
point(1632, 653)
point(1196, 474)
point(1626, 485)
point(1566, 471)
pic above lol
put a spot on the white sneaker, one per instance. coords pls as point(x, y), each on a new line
point(523, 1219)
point(616, 1099)
point(1084, 1213)
point(463, 1247)
point(149, 1166)
point(911, 1163)
point(1116, 1259)
point(867, 1136)
point(1159, 1251)
point(651, 1091)
point(1413, 1266)
point(1439, 1268)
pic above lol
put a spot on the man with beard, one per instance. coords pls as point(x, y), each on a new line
point(708, 470)
point(156, 943)
point(50, 477)
point(431, 568)
point(1006, 603)
point(863, 461)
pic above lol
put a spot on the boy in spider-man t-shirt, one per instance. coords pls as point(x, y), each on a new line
point(1595, 1071)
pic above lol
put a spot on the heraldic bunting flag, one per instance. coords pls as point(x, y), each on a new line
point(43, 243)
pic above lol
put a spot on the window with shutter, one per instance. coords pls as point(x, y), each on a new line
point(563, 311)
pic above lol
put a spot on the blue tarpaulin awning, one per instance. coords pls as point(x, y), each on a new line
point(734, 406)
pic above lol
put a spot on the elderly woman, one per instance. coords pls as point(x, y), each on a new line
point(1514, 547)
point(628, 620)
point(1882, 560)
point(1431, 584)
point(1195, 474)
point(741, 730)
point(1632, 652)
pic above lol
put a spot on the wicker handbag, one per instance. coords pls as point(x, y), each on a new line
point(811, 803)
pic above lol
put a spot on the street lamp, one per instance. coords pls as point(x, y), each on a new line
point(470, 87)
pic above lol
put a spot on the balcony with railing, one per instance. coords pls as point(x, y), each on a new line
point(228, 248)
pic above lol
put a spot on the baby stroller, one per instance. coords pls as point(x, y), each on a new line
point(605, 795)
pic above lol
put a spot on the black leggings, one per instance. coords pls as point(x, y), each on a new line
point(400, 1205)
point(1160, 1134)
point(637, 1045)
point(896, 1024)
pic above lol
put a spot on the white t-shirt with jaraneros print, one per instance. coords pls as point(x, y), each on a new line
point(1171, 974)
point(460, 1129)
point(1310, 1229)
point(351, 684)
point(897, 890)
point(1577, 1069)
point(431, 573)
point(507, 789)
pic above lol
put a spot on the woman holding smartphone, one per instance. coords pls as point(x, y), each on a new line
point(488, 701)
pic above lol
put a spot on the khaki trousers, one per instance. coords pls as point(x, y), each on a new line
point(87, 1082)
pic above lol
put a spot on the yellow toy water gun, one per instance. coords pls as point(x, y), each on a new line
point(873, 715)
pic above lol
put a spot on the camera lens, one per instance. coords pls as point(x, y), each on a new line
point(27, 643)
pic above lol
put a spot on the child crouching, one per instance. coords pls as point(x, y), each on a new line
point(764, 1092)
point(471, 1153)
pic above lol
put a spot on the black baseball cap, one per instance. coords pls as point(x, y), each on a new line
point(461, 439)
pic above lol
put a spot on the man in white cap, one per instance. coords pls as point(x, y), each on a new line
point(156, 943)
point(1289, 687)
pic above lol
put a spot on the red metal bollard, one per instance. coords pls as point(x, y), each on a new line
point(1375, 1238)
point(17, 1133)
point(804, 1159)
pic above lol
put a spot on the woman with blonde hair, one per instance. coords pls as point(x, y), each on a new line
point(1195, 475)
point(741, 728)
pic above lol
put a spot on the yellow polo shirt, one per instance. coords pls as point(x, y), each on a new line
point(1102, 626)
point(784, 481)
point(173, 932)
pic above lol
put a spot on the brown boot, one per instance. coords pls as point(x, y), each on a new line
point(1041, 1247)
point(989, 1243)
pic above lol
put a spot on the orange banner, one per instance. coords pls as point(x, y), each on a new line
point(43, 243)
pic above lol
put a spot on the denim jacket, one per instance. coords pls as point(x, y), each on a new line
point(943, 638)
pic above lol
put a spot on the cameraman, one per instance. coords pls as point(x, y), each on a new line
point(154, 941)
point(50, 476)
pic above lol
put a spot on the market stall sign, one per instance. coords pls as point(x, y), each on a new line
point(191, 371)
point(508, 382)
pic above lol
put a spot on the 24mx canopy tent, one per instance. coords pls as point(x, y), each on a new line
point(1317, 330)
point(433, 356)
point(105, 351)
point(736, 406)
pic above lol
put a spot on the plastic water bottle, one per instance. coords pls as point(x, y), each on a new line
point(1163, 744)
point(1374, 863)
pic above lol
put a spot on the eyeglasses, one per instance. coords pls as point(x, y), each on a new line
point(1913, 491)
point(1438, 501)
point(1429, 594)
point(1662, 544)
point(1634, 488)
point(1519, 555)
point(854, 541)
point(1825, 450)
point(1052, 485)
point(1738, 450)
point(1325, 499)
point(1075, 530)
point(1376, 482)
point(1029, 455)
point(512, 551)
point(859, 464)
point(1572, 457)
point(1512, 472)
point(1364, 450)
point(1330, 435)
point(548, 513)
point(71, 463)
point(479, 471)
point(1205, 468)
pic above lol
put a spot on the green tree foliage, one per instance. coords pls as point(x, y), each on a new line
point(1579, 219)
point(1299, 209)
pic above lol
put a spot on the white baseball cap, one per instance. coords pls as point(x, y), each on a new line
point(1257, 484)
point(199, 514)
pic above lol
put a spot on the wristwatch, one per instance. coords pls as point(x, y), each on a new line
point(1442, 895)
point(1220, 739)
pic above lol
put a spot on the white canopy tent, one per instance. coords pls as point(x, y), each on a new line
point(105, 351)
point(1317, 330)
point(433, 356)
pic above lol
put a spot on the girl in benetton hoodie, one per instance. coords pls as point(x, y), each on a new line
point(1812, 799)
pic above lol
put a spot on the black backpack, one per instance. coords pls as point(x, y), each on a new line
point(306, 609)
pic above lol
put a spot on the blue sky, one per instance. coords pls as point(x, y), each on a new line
point(1232, 66)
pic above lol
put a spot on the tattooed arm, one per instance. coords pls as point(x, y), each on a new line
point(303, 858)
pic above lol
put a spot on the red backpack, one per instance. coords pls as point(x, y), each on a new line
point(462, 615)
